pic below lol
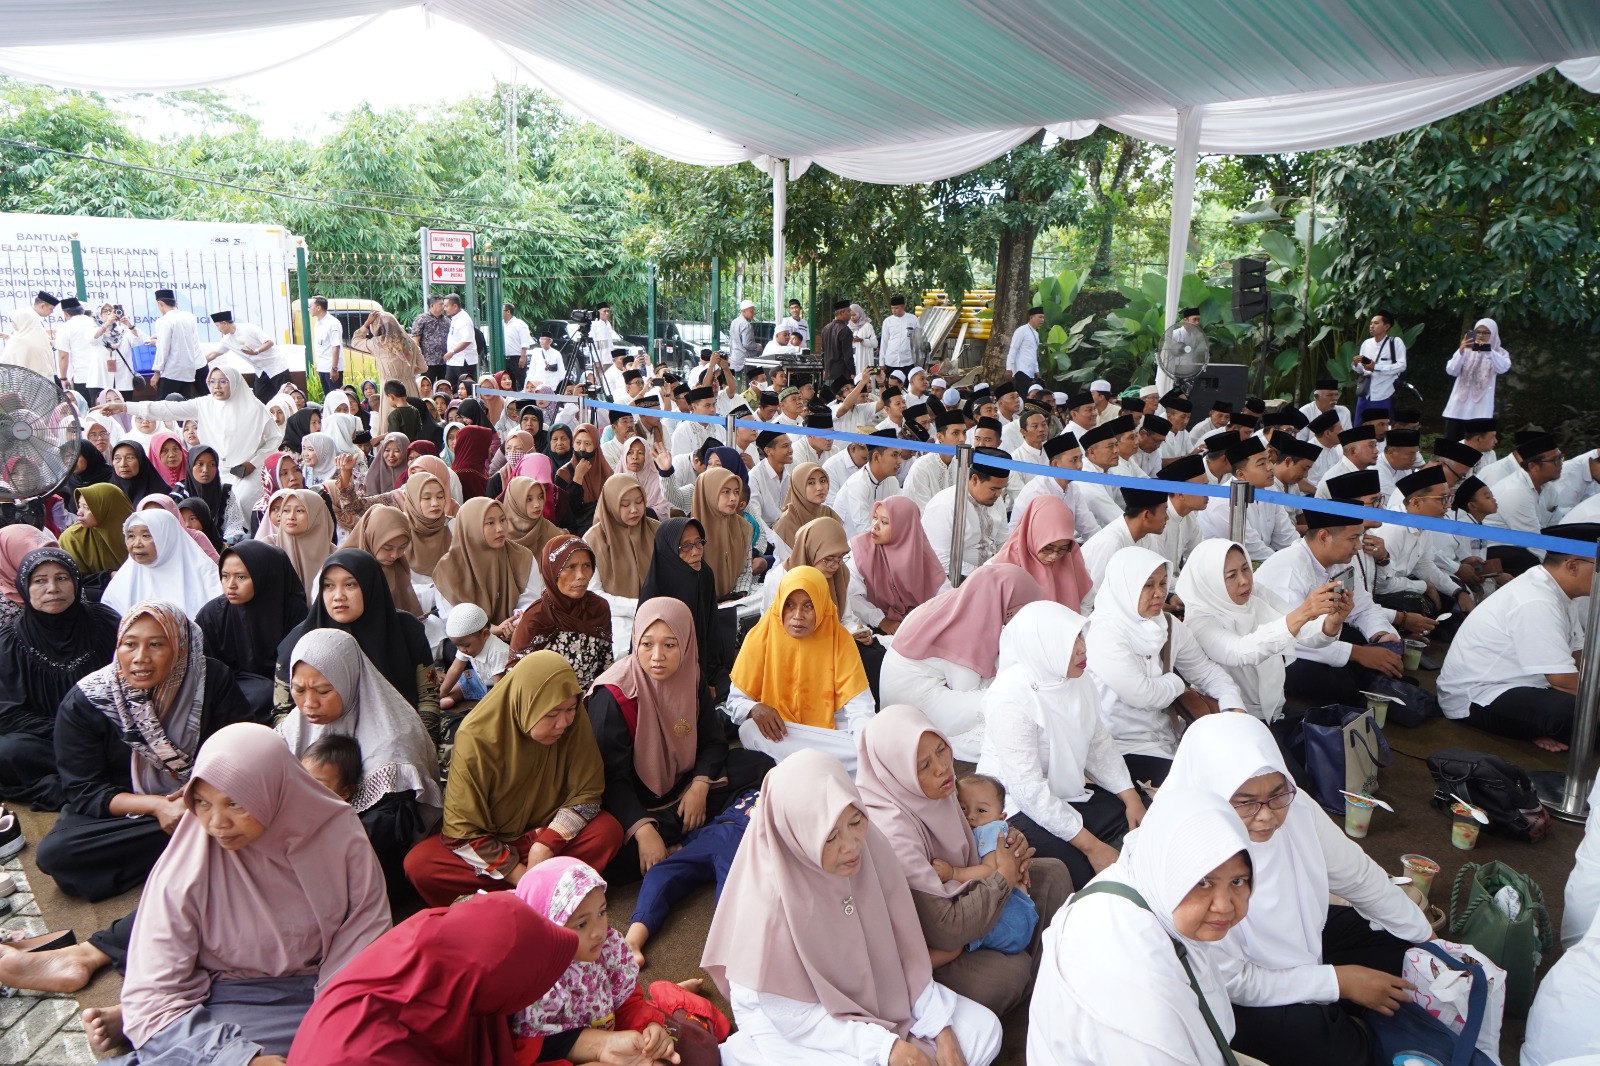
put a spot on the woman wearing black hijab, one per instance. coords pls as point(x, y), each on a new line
point(678, 570)
point(353, 595)
point(91, 468)
point(56, 640)
point(219, 498)
point(474, 413)
point(191, 505)
point(132, 473)
point(262, 600)
point(299, 424)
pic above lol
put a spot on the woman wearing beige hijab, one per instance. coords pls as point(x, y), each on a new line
point(398, 356)
point(729, 536)
point(484, 567)
point(385, 534)
point(816, 943)
point(28, 345)
point(305, 533)
point(524, 503)
point(624, 541)
point(806, 502)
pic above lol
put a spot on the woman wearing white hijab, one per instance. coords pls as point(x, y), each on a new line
point(1475, 370)
point(1290, 961)
point(1044, 738)
point(163, 564)
point(28, 345)
point(1112, 988)
point(231, 420)
point(1246, 629)
point(1143, 661)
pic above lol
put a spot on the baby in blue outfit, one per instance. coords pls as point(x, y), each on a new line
point(983, 801)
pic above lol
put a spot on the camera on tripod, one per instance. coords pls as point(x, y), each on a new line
point(581, 316)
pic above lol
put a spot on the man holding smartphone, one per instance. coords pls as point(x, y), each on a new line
point(1380, 364)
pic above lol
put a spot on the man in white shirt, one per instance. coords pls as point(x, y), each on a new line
point(933, 472)
point(461, 346)
point(1022, 358)
point(983, 530)
point(252, 344)
point(799, 328)
point(1099, 456)
point(742, 344)
point(544, 362)
point(81, 357)
point(1382, 361)
point(841, 465)
point(1221, 414)
point(874, 481)
point(1152, 438)
point(603, 331)
point(1337, 672)
point(1267, 528)
point(1324, 400)
point(781, 346)
point(1292, 461)
point(1523, 503)
point(814, 449)
point(1101, 395)
point(517, 341)
point(1144, 514)
point(1182, 531)
point(900, 337)
point(1399, 457)
point(1176, 410)
point(179, 367)
point(1414, 580)
point(791, 406)
point(616, 383)
point(1511, 669)
point(769, 478)
point(1580, 479)
point(1324, 432)
point(1360, 447)
point(1034, 428)
point(688, 435)
point(1064, 453)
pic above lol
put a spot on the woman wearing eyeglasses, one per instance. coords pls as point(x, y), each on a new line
point(1476, 365)
point(1044, 542)
point(1296, 963)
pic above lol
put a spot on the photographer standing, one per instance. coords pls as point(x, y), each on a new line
point(1475, 366)
point(116, 335)
point(1380, 364)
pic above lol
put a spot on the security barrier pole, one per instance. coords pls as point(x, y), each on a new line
point(650, 351)
point(313, 383)
point(1240, 494)
point(716, 305)
point(730, 428)
point(958, 521)
point(1566, 796)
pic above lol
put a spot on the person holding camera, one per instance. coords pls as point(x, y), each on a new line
point(117, 335)
point(1475, 366)
point(1379, 365)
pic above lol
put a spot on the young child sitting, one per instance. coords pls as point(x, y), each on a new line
point(983, 801)
point(335, 761)
point(480, 656)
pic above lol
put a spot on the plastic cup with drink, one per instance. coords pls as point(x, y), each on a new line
point(1422, 870)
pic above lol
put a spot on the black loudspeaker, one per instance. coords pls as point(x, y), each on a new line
point(1228, 382)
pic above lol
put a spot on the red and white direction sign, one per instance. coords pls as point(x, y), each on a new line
point(444, 272)
point(449, 242)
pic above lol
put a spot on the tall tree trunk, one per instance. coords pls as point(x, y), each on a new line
point(1012, 287)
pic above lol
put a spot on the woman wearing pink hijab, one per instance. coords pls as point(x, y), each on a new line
point(208, 975)
point(1044, 542)
point(816, 943)
point(895, 563)
point(907, 779)
point(944, 655)
point(15, 542)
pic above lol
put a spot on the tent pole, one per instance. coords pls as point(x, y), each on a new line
point(780, 213)
point(1185, 161)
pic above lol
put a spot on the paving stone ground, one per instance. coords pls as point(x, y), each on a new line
point(37, 1028)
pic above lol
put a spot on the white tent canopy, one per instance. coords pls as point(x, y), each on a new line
point(890, 90)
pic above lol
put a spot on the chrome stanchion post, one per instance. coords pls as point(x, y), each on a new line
point(729, 428)
point(1240, 493)
point(1566, 796)
point(958, 522)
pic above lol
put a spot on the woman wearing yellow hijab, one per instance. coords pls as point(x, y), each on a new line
point(95, 540)
point(798, 681)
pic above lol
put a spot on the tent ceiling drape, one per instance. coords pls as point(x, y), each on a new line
point(887, 90)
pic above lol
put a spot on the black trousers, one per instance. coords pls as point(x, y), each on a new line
point(1526, 714)
point(1319, 684)
point(1322, 1034)
point(1103, 815)
point(96, 858)
point(872, 656)
point(115, 938)
point(28, 771)
point(266, 388)
point(1151, 768)
point(90, 392)
point(744, 771)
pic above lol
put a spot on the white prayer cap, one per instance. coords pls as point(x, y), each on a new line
point(1149, 390)
point(464, 620)
point(940, 383)
point(1060, 398)
point(951, 397)
point(745, 305)
point(898, 375)
point(1099, 385)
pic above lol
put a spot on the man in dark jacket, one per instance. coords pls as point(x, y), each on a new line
point(838, 345)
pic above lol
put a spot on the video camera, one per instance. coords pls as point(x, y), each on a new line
point(581, 316)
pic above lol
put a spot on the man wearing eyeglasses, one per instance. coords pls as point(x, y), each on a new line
point(1415, 580)
point(1523, 503)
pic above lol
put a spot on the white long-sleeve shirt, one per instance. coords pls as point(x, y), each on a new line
point(1239, 654)
point(177, 346)
point(931, 473)
point(785, 1031)
point(897, 340)
point(1176, 541)
point(1292, 574)
point(1458, 406)
point(1085, 525)
point(768, 490)
point(1311, 411)
point(1413, 563)
point(859, 494)
point(1522, 507)
point(1576, 483)
point(1267, 527)
point(983, 530)
point(1023, 354)
point(1135, 692)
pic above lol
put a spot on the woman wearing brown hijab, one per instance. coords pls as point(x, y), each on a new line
point(398, 356)
point(305, 533)
point(729, 536)
point(567, 617)
point(524, 503)
point(385, 534)
point(805, 502)
point(483, 566)
point(624, 541)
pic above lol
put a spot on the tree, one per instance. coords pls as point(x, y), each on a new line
point(1488, 212)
